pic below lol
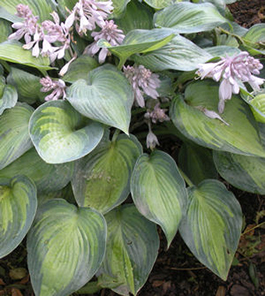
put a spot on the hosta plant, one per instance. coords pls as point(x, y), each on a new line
point(91, 93)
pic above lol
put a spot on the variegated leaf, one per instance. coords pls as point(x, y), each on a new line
point(102, 179)
point(132, 247)
point(212, 225)
point(60, 134)
point(18, 204)
point(66, 246)
point(159, 192)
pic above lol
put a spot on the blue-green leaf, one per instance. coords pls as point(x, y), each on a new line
point(132, 247)
point(102, 179)
point(60, 134)
point(186, 17)
point(159, 191)
point(66, 246)
point(106, 97)
point(8, 99)
point(47, 177)
point(18, 204)
point(212, 225)
point(14, 136)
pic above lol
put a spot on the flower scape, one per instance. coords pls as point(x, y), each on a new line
point(110, 113)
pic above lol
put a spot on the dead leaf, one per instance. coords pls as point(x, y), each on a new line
point(221, 291)
point(2, 283)
point(15, 292)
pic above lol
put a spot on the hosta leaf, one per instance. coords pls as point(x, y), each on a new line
point(106, 97)
point(186, 17)
point(4, 14)
point(102, 179)
point(159, 191)
point(5, 30)
point(14, 136)
point(13, 52)
point(8, 99)
point(139, 41)
point(18, 204)
point(65, 247)
point(212, 225)
point(119, 7)
point(255, 34)
point(132, 247)
point(197, 163)
point(80, 68)
point(28, 85)
point(60, 134)
point(244, 172)
point(136, 16)
point(240, 136)
point(257, 105)
point(179, 54)
point(222, 50)
point(38, 7)
point(158, 4)
point(47, 177)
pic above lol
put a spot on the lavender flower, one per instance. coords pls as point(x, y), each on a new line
point(54, 31)
point(88, 14)
point(28, 28)
point(57, 86)
point(143, 82)
point(232, 71)
point(157, 114)
point(108, 32)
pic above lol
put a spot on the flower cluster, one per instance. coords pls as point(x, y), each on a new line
point(157, 114)
point(143, 81)
point(232, 71)
point(48, 32)
point(109, 32)
point(88, 13)
point(57, 87)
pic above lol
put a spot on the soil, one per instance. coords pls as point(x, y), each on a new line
point(176, 271)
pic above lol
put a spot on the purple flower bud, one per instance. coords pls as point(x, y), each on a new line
point(151, 140)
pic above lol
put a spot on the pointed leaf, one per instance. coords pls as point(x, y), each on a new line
point(46, 177)
point(80, 68)
point(139, 41)
point(18, 204)
point(65, 247)
point(240, 136)
point(244, 172)
point(257, 105)
point(14, 136)
point(8, 99)
point(38, 7)
point(179, 54)
point(119, 7)
point(28, 85)
point(159, 191)
point(136, 16)
point(158, 4)
point(132, 248)
point(106, 97)
point(13, 52)
point(212, 226)
point(186, 17)
point(5, 29)
point(197, 163)
point(102, 179)
point(60, 134)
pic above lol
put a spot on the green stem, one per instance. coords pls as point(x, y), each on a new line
point(257, 226)
point(186, 178)
point(121, 63)
point(115, 135)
